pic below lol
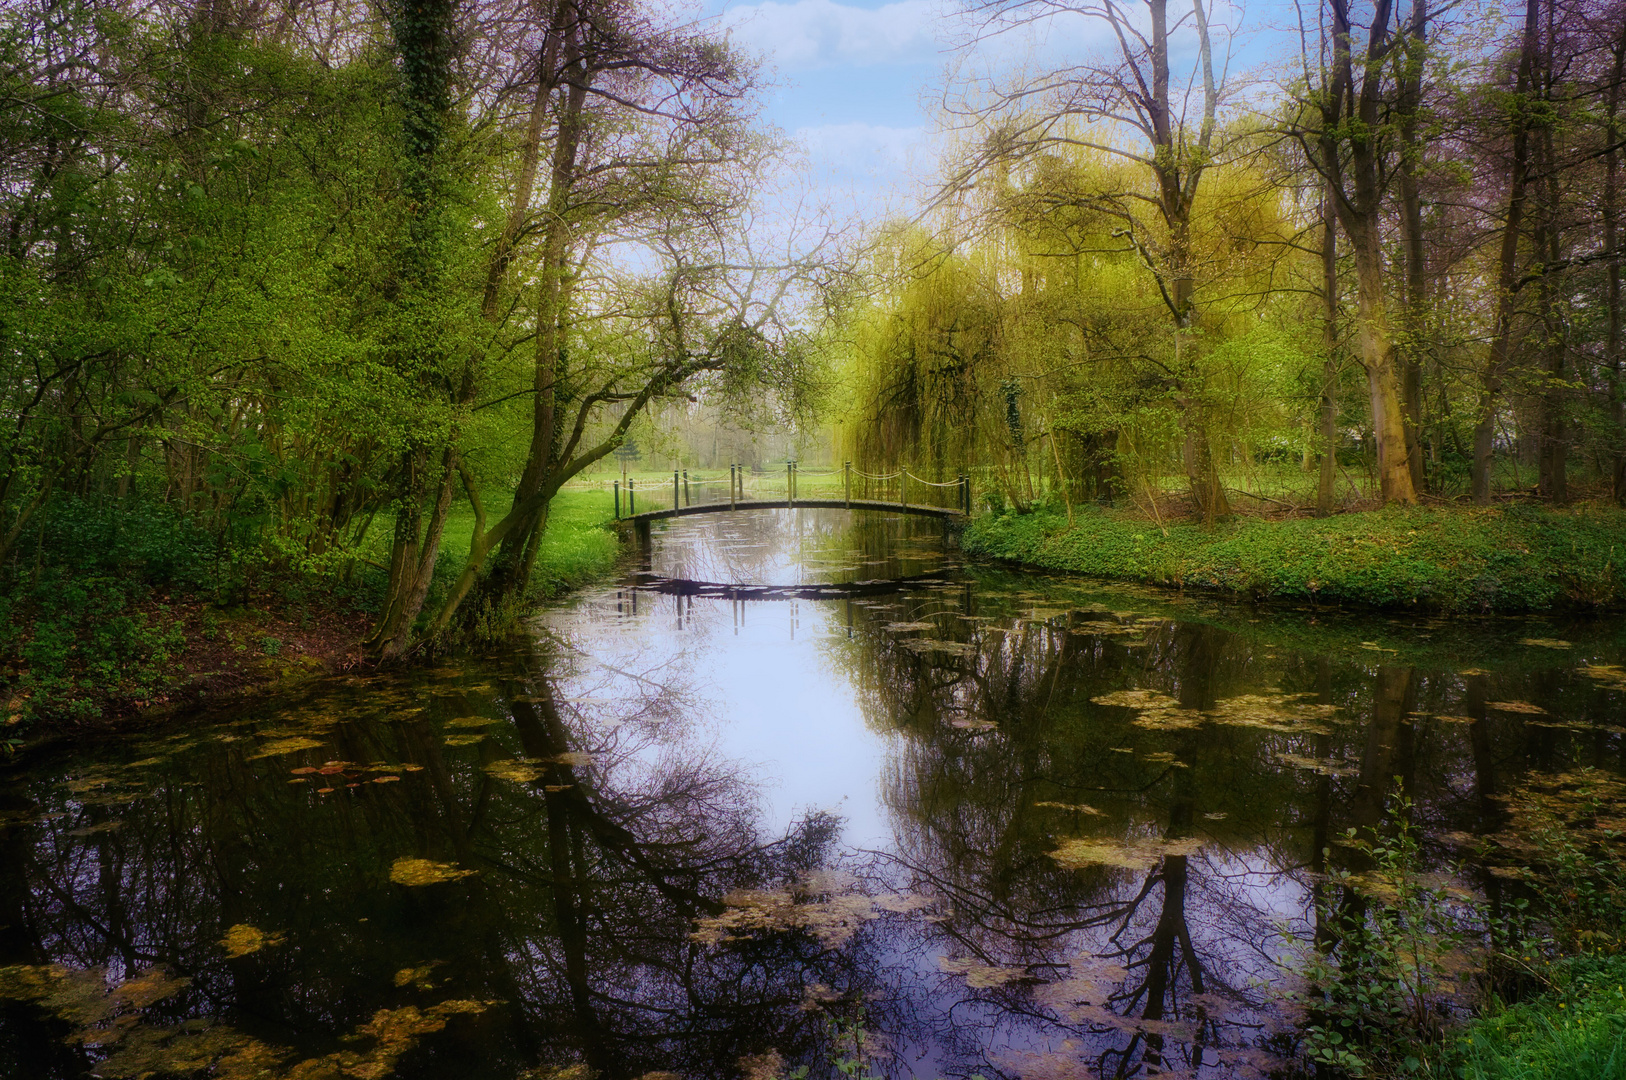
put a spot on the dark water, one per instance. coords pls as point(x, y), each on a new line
point(978, 822)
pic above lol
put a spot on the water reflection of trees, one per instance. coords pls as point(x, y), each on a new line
point(780, 547)
point(598, 841)
point(1203, 824)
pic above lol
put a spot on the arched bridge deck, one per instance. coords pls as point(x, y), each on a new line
point(942, 512)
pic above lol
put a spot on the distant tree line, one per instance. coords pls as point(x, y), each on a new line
point(1405, 241)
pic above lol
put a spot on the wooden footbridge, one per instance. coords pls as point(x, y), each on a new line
point(899, 492)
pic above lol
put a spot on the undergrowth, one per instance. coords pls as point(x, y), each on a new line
point(1518, 559)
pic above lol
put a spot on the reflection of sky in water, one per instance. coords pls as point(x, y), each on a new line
point(760, 671)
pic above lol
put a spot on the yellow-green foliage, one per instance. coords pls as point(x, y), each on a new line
point(1031, 334)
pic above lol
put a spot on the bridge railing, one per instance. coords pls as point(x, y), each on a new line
point(740, 484)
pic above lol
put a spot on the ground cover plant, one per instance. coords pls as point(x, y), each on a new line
point(1517, 559)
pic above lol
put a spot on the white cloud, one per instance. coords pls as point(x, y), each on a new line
point(807, 34)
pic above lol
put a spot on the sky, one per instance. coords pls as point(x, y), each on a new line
point(858, 83)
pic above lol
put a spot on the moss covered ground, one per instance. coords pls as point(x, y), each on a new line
point(1511, 560)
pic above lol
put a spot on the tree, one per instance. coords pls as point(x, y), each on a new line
point(1137, 92)
point(1350, 142)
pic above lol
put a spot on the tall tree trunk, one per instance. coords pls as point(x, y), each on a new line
point(1329, 359)
point(1553, 461)
point(1500, 355)
point(1611, 238)
point(1357, 190)
point(511, 565)
point(1378, 358)
point(422, 31)
point(1414, 336)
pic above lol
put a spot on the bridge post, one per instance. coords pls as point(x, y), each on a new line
point(617, 485)
point(687, 501)
point(731, 469)
point(847, 483)
point(903, 487)
point(675, 505)
point(790, 492)
point(632, 506)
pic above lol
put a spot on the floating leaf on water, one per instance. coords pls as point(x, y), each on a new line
point(1273, 712)
point(952, 648)
point(88, 783)
point(407, 767)
point(906, 627)
point(1080, 852)
point(1164, 757)
point(425, 872)
point(1524, 707)
point(1612, 676)
point(903, 903)
point(1320, 766)
point(417, 975)
point(971, 723)
point(557, 787)
point(303, 770)
point(471, 721)
point(1136, 699)
point(978, 975)
point(1455, 719)
point(385, 779)
point(1546, 643)
point(1169, 719)
point(1218, 815)
point(145, 763)
point(517, 771)
point(1472, 671)
point(574, 758)
point(289, 745)
point(98, 828)
point(1122, 749)
point(243, 939)
point(463, 740)
point(1077, 808)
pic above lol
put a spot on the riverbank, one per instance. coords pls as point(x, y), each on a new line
point(143, 621)
point(1513, 560)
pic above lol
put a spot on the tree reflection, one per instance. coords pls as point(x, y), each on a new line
point(598, 839)
point(1122, 814)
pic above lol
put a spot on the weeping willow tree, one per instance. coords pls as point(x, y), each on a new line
point(1020, 338)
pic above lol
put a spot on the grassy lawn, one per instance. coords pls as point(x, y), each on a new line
point(1517, 559)
point(576, 547)
point(1577, 1031)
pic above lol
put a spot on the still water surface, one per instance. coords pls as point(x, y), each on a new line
point(801, 787)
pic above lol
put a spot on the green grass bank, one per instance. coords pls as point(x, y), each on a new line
point(1514, 560)
point(1575, 1031)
